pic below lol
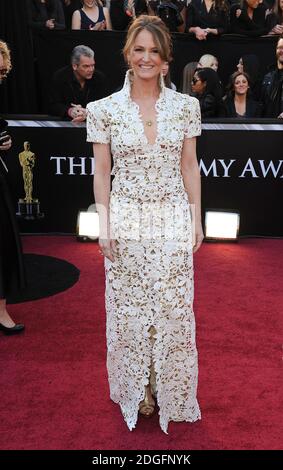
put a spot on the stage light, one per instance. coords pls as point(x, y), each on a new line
point(222, 224)
point(88, 224)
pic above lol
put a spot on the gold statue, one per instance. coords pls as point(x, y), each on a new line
point(27, 161)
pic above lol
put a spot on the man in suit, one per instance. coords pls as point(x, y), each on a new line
point(272, 87)
point(75, 85)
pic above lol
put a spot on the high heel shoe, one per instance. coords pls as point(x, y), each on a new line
point(147, 406)
point(12, 330)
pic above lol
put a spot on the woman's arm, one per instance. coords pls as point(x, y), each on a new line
point(191, 178)
point(101, 188)
point(76, 20)
point(192, 20)
point(107, 18)
point(223, 24)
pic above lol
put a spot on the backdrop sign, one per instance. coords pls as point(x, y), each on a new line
point(241, 167)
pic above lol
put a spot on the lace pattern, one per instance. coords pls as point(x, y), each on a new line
point(150, 283)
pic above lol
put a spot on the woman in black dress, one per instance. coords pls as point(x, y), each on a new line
point(93, 16)
point(11, 262)
point(238, 102)
point(207, 17)
point(249, 18)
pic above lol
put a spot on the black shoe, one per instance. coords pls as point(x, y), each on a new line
point(12, 330)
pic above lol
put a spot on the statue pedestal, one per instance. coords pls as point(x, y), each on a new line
point(29, 210)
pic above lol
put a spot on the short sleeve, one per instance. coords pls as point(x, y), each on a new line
point(97, 124)
point(192, 118)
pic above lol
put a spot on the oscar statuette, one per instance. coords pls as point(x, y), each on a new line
point(28, 207)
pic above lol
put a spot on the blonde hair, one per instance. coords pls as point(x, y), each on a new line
point(4, 50)
point(159, 31)
point(207, 60)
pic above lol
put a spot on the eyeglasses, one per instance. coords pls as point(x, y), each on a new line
point(195, 80)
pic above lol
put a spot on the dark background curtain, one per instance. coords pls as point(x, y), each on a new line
point(17, 93)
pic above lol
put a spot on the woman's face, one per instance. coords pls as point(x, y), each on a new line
point(89, 3)
point(253, 3)
point(198, 86)
point(144, 57)
point(214, 65)
point(281, 5)
point(240, 65)
point(241, 85)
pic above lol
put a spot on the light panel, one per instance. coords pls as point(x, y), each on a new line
point(88, 225)
point(222, 225)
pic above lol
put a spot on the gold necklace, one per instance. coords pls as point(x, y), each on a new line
point(149, 123)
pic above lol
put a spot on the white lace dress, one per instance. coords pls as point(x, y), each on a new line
point(149, 286)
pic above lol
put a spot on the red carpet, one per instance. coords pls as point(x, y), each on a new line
point(54, 391)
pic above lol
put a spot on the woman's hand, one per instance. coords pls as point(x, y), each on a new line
point(211, 31)
point(278, 29)
point(98, 26)
point(200, 33)
point(50, 24)
point(7, 145)
point(197, 236)
point(108, 248)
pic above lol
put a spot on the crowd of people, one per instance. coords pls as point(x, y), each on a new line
point(248, 95)
point(200, 18)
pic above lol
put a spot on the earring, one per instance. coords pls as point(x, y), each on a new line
point(161, 80)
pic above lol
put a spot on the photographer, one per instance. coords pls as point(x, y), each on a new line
point(11, 261)
point(172, 13)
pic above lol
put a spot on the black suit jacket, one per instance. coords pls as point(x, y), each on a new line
point(65, 90)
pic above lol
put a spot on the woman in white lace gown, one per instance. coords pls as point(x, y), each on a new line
point(150, 131)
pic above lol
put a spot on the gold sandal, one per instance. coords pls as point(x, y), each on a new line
point(147, 406)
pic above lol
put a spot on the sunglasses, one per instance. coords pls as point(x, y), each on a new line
point(195, 80)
